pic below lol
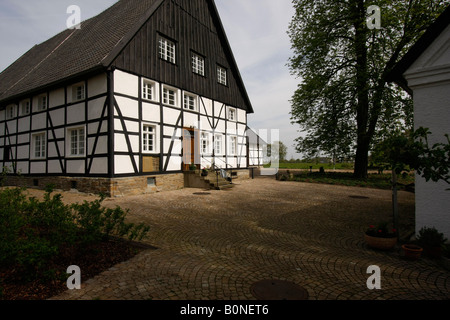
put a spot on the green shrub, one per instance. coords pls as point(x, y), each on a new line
point(32, 232)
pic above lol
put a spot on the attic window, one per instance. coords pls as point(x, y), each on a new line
point(198, 64)
point(222, 75)
point(167, 50)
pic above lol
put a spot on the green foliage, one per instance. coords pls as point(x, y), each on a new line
point(32, 232)
point(344, 102)
point(403, 152)
point(430, 237)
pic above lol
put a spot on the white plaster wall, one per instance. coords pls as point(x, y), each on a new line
point(151, 112)
point(126, 83)
point(56, 98)
point(97, 85)
point(432, 110)
point(128, 107)
point(429, 78)
point(76, 113)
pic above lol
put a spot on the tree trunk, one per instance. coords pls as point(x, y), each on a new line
point(361, 159)
point(362, 84)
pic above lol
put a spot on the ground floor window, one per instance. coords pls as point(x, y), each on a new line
point(148, 138)
point(39, 146)
point(77, 142)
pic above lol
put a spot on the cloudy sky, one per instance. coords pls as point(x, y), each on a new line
point(256, 30)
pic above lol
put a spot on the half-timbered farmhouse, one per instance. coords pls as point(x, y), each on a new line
point(127, 103)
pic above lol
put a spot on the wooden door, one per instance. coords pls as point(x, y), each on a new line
point(190, 152)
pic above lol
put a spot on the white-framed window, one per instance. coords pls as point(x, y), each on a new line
point(218, 144)
point(76, 142)
point(198, 64)
point(25, 107)
point(190, 101)
point(78, 92)
point(222, 75)
point(42, 103)
point(150, 90)
point(205, 143)
point(170, 96)
point(149, 135)
point(167, 50)
point(39, 145)
point(233, 146)
point(231, 114)
point(10, 112)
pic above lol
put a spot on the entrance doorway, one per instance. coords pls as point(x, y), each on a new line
point(191, 152)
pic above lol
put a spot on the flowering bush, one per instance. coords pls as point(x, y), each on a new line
point(381, 231)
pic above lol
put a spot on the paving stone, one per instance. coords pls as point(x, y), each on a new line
point(216, 247)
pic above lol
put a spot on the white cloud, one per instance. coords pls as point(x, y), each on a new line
point(257, 32)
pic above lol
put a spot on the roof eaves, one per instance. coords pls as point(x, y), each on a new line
point(417, 49)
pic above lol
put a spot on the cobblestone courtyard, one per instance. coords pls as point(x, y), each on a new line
point(214, 245)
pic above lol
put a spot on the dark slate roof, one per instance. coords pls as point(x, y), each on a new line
point(78, 51)
point(418, 48)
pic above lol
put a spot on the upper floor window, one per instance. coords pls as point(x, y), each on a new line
point(232, 114)
point(148, 90)
point(222, 75)
point(198, 64)
point(170, 96)
point(78, 92)
point(25, 107)
point(42, 103)
point(10, 112)
point(190, 102)
point(167, 50)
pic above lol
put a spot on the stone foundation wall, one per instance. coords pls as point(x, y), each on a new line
point(116, 187)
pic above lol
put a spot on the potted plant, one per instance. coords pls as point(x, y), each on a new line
point(192, 167)
point(432, 241)
point(412, 251)
point(381, 237)
point(204, 172)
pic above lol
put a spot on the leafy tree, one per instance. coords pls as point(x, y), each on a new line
point(344, 102)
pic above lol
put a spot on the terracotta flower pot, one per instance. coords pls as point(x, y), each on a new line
point(380, 243)
point(412, 251)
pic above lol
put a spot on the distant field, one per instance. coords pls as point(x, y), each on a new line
point(315, 166)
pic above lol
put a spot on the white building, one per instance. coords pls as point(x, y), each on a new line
point(425, 73)
point(126, 103)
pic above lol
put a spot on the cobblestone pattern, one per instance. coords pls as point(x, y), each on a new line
point(214, 247)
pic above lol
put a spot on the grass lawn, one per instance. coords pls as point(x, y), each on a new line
point(380, 181)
